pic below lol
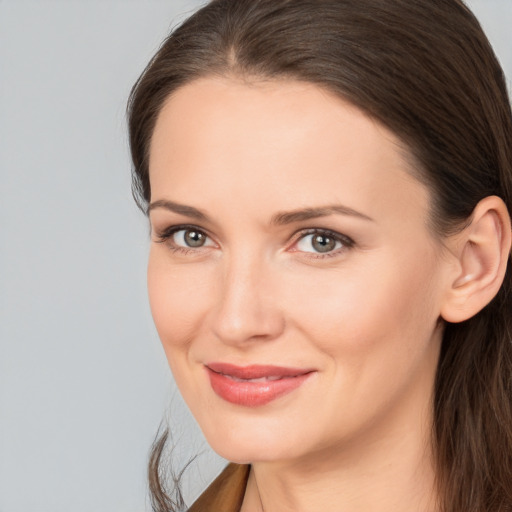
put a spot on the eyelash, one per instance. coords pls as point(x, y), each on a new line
point(165, 237)
point(347, 243)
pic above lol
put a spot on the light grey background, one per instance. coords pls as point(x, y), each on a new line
point(83, 380)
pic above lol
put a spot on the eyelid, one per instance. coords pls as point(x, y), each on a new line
point(165, 236)
point(346, 241)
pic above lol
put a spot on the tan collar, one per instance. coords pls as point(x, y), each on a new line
point(226, 492)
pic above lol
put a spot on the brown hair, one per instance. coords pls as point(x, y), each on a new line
point(425, 70)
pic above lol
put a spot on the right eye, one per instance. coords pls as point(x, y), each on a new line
point(185, 238)
point(190, 238)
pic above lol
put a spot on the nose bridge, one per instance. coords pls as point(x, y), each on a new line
point(245, 309)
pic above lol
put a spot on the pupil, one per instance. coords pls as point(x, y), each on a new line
point(322, 243)
point(194, 238)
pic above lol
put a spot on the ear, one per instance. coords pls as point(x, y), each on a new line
point(481, 253)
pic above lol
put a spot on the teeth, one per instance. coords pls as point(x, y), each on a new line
point(261, 379)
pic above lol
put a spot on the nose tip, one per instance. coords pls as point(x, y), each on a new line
point(246, 310)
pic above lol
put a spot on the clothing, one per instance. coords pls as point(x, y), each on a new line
point(226, 492)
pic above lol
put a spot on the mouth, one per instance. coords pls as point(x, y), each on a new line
point(255, 385)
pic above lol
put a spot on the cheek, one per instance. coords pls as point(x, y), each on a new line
point(370, 310)
point(177, 297)
point(376, 330)
point(355, 309)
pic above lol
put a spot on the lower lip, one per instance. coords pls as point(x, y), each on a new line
point(253, 394)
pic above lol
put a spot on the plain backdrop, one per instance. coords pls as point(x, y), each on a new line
point(83, 380)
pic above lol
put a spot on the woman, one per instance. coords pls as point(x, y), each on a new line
point(329, 186)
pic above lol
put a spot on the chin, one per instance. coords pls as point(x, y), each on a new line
point(242, 454)
point(259, 441)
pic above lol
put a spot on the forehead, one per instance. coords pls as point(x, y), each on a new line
point(292, 141)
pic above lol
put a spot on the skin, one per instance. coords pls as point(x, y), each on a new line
point(365, 316)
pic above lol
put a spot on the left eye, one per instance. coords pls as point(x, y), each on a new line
point(319, 243)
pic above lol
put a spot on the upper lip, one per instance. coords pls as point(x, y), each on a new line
point(256, 371)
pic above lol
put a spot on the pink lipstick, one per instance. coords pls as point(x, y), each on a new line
point(255, 385)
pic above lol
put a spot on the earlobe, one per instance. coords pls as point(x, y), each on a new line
point(483, 250)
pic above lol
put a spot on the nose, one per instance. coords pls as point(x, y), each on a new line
point(247, 308)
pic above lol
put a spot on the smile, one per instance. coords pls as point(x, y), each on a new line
point(256, 385)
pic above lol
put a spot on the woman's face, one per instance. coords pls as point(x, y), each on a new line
point(292, 277)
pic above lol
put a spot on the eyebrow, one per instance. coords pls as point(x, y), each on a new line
point(279, 219)
point(283, 218)
point(181, 209)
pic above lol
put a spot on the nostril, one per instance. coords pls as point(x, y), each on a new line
point(241, 323)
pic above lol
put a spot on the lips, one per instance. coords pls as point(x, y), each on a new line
point(256, 385)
